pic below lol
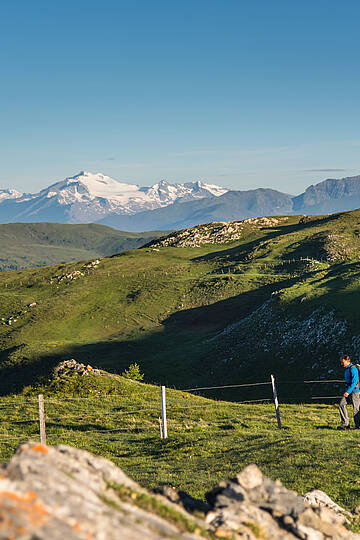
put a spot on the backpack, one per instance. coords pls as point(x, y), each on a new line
point(357, 366)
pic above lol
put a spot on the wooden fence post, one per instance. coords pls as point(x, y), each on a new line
point(276, 402)
point(42, 419)
point(163, 410)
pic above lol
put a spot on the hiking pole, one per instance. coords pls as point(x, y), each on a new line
point(276, 402)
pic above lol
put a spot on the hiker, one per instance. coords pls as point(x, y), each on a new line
point(351, 394)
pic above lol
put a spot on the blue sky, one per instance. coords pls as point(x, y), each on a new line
point(243, 94)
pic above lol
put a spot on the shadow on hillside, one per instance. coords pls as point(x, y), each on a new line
point(73, 427)
point(177, 353)
point(270, 233)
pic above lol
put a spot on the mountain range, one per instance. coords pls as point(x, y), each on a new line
point(89, 198)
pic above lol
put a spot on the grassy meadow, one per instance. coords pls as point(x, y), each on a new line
point(208, 440)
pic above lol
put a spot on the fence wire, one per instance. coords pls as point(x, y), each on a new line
point(146, 419)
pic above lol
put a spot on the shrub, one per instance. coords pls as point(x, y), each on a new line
point(133, 372)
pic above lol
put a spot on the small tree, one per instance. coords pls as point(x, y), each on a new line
point(133, 372)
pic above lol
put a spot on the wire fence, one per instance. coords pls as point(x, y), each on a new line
point(108, 418)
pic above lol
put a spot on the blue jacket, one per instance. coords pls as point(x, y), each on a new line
point(352, 379)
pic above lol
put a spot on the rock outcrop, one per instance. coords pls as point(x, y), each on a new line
point(70, 367)
point(63, 492)
point(269, 510)
point(214, 233)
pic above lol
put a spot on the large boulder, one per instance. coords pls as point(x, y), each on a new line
point(269, 510)
point(63, 492)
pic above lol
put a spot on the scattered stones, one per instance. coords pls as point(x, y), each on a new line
point(70, 276)
point(13, 318)
point(92, 264)
point(63, 492)
point(338, 247)
point(272, 330)
point(76, 274)
point(68, 367)
point(213, 233)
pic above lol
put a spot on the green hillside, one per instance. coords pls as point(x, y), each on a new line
point(25, 245)
point(283, 298)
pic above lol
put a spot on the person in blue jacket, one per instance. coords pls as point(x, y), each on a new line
point(351, 394)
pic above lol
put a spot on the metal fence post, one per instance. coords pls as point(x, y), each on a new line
point(163, 410)
point(276, 402)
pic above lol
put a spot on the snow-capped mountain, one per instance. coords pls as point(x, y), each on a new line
point(9, 194)
point(88, 197)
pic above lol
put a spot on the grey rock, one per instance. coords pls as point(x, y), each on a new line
point(250, 477)
point(319, 499)
point(62, 492)
point(52, 493)
point(267, 509)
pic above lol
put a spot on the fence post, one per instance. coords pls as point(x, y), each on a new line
point(160, 427)
point(42, 419)
point(163, 410)
point(276, 402)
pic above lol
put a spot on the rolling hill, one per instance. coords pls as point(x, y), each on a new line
point(25, 245)
point(236, 302)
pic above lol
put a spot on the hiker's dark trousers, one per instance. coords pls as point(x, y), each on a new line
point(354, 398)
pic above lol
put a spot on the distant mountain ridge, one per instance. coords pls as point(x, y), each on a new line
point(227, 207)
point(329, 196)
point(88, 197)
point(25, 245)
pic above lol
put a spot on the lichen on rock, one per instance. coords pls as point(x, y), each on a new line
point(63, 492)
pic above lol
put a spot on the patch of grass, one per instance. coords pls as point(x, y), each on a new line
point(256, 529)
point(153, 504)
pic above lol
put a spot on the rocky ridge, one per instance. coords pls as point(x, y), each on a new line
point(214, 233)
point(63, 492)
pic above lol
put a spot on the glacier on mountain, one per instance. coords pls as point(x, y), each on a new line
point(9, 193)
point(88, 197)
